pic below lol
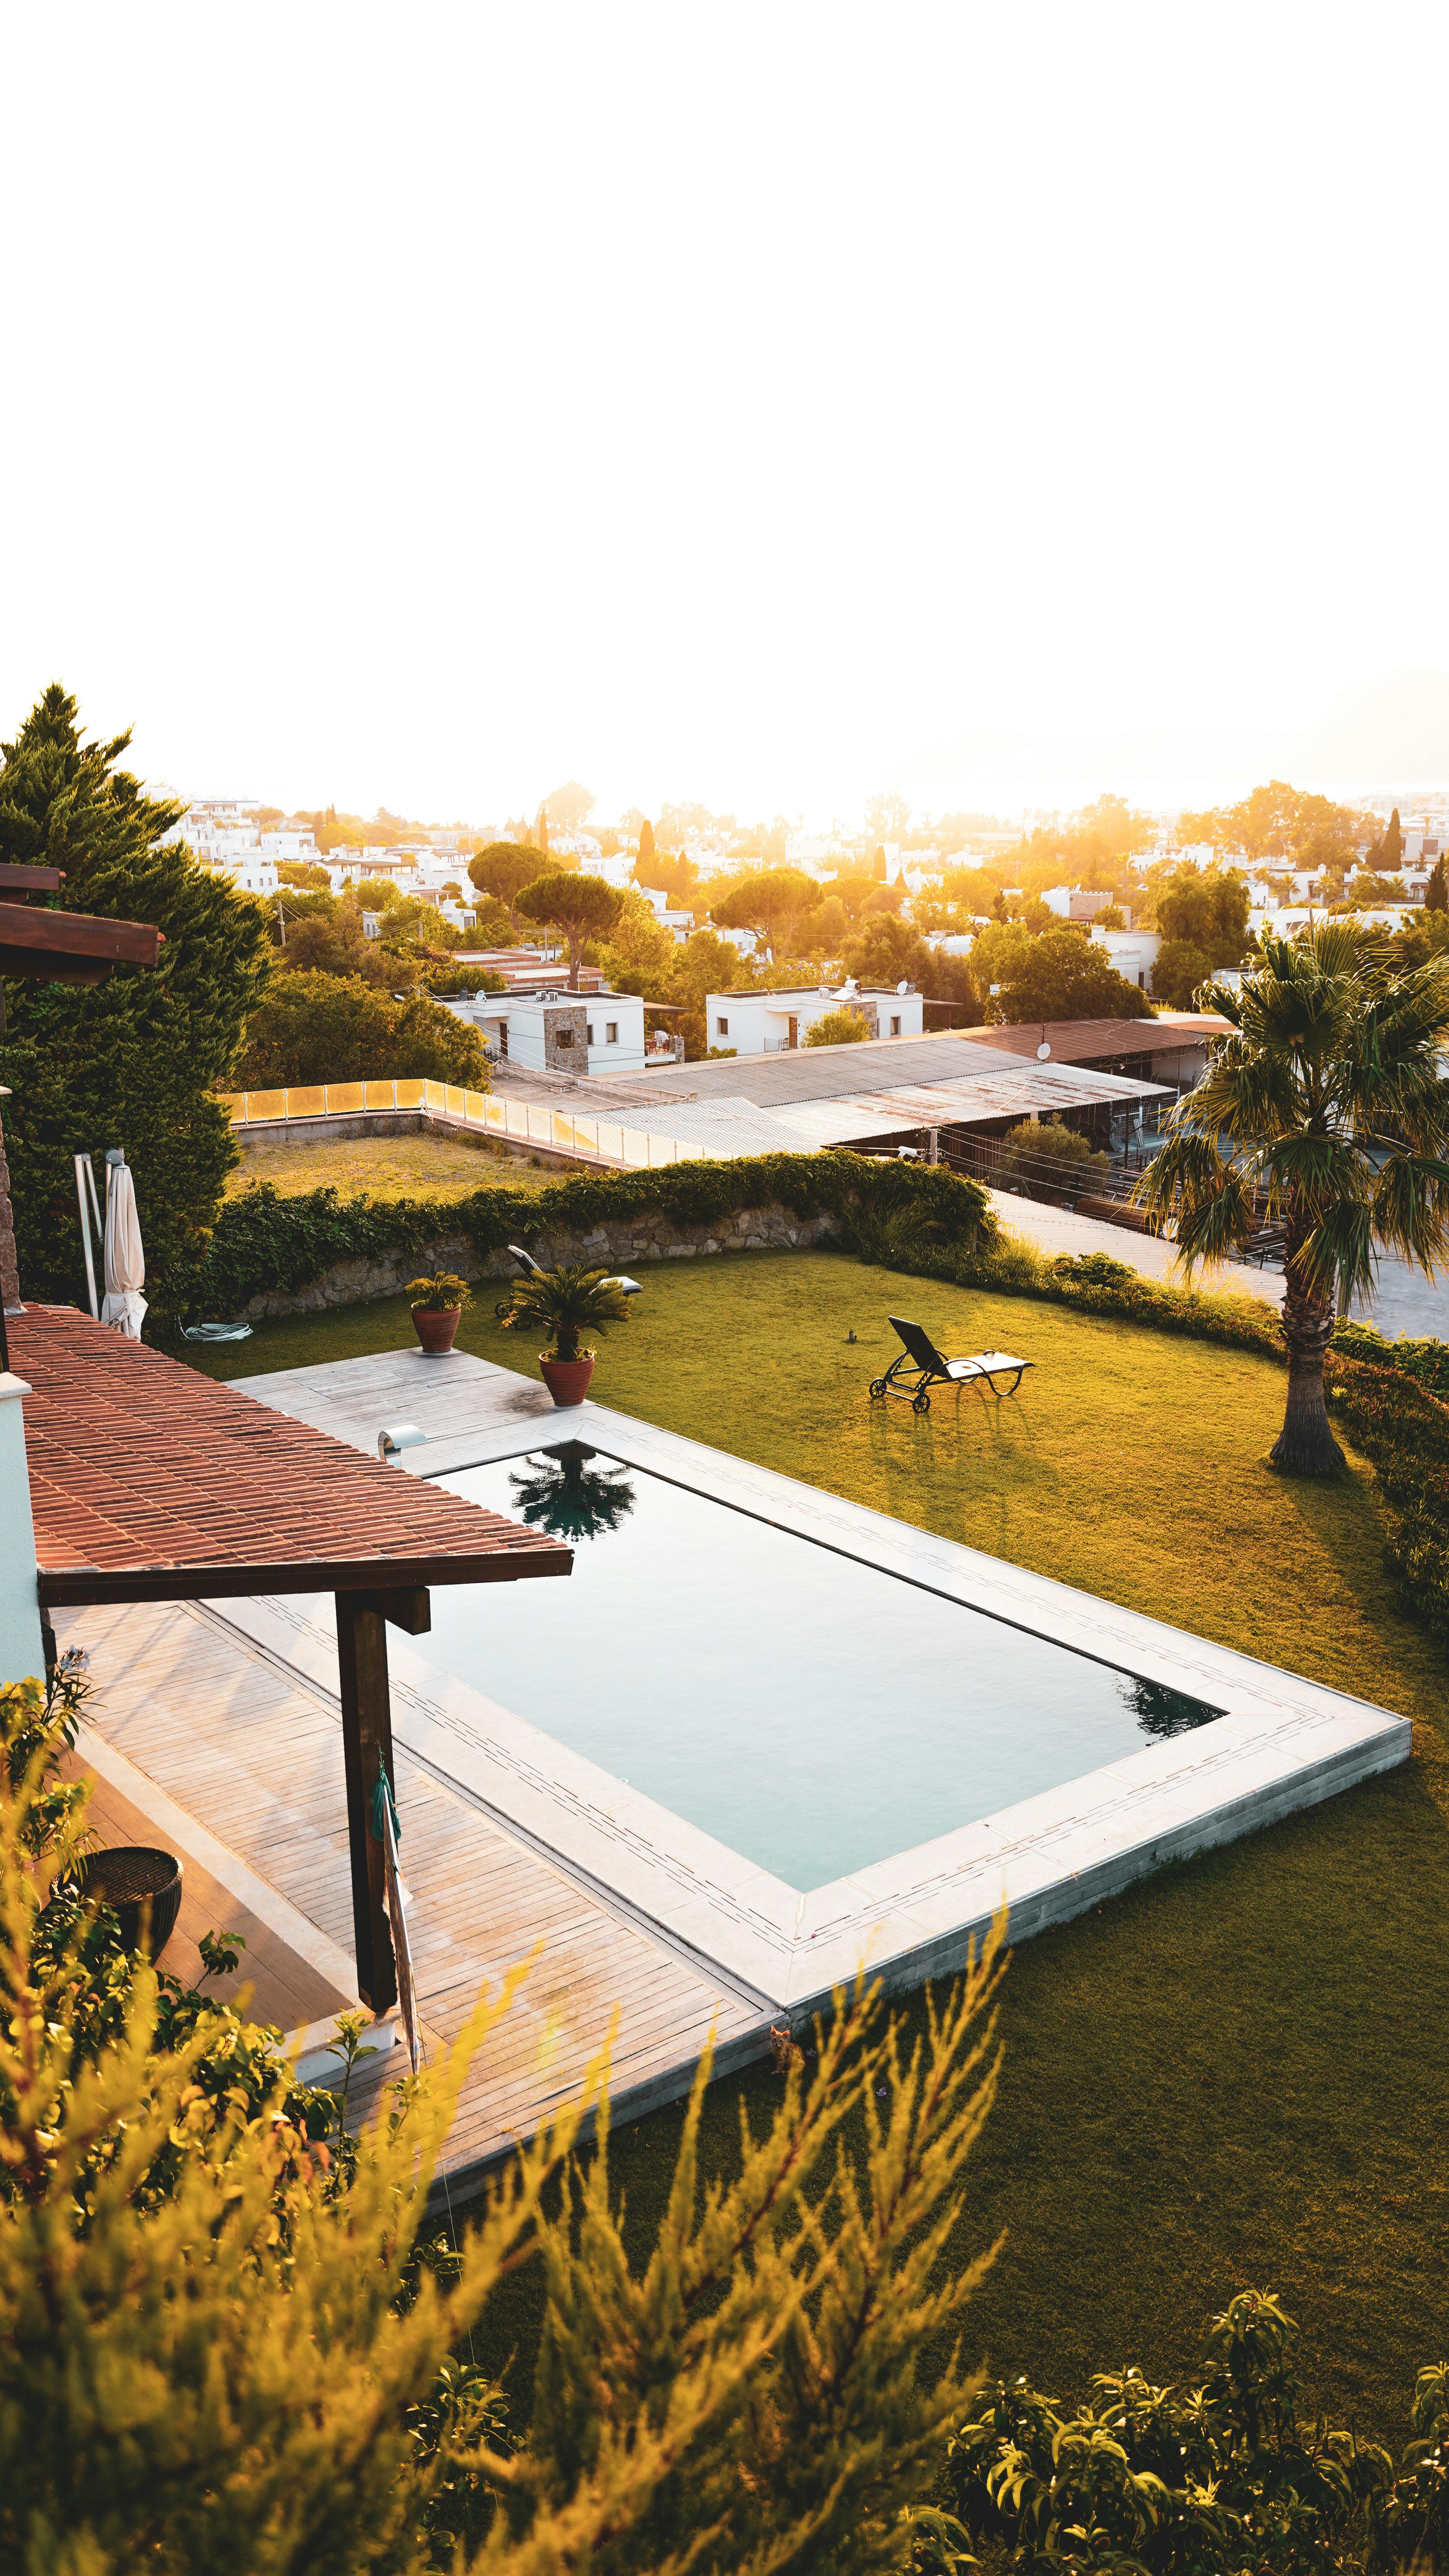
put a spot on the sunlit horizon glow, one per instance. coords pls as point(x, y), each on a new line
point(754, 407)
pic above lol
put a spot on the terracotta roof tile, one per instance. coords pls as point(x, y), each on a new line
point(149, 1481)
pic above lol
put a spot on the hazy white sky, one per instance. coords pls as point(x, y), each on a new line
point(426, 406)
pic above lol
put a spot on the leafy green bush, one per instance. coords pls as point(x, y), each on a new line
point(844, 1027)
point(1209, 2478)
point(1045, 1154)
point(1403, 1431)
point(1427, 1362)
point(317, 1027)
point(263, 1242)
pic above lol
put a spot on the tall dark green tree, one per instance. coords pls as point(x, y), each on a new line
point(1436, 892)
point(1391, 848)
point(134, 1061)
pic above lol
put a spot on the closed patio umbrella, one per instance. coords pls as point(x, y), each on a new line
point(123, 1306)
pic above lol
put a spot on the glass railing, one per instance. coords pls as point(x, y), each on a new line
point(525, 1122)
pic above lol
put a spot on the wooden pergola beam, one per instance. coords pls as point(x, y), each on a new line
point(366, 1752)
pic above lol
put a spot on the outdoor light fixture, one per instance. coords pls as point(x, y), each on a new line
point(402, 1435)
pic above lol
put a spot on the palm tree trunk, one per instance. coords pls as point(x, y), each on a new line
point(1305, 1446)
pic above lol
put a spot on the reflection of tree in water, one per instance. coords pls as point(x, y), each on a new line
point(1160, 1711)
point(564, 1493)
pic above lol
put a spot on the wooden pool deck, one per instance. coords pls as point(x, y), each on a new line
point(201, 1738)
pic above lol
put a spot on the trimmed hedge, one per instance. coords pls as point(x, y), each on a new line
point(1403, 1431)
point(263, 1242)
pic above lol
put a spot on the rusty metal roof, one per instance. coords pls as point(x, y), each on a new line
point(150, 1482)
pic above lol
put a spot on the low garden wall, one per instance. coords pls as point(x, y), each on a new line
point(613, 1243)
point(271, 1255)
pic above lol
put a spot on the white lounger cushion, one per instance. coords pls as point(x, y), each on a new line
point(983, 1364)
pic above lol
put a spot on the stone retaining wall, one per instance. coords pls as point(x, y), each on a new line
point(621, 1243)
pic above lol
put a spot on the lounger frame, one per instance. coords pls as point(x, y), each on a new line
point(920, 1367)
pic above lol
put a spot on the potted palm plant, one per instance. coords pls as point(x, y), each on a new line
point(437, 1306)
point(567, 1302)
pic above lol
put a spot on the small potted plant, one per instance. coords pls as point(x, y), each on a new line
point(567, 1302)
point(437, 1306)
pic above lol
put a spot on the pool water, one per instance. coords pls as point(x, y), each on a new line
point(814, 1713)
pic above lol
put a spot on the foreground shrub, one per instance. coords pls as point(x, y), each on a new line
point(250, 2373)
point(1214, 2477)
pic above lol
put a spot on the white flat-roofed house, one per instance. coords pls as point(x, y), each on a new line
point(1081, 903)
point(558, 1032)
point(1132, 952)
point(770, 1023)
point(291, 838)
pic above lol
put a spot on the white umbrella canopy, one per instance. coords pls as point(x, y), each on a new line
point(123, 1307)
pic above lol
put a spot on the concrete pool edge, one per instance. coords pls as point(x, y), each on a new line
point(1283, 1744)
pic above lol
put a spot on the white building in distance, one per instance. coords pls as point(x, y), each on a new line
point(770, 1023)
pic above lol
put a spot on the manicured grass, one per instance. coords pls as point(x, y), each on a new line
point(1238, 2072)
point(387, 1167)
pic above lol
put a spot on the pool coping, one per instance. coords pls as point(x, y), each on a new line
point(1284, 1743)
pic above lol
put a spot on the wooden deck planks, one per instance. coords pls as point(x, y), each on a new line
point(257, 1757)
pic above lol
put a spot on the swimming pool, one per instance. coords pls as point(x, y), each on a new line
point(813, 1712)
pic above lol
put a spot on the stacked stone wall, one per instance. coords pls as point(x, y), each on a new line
point(621, 1243)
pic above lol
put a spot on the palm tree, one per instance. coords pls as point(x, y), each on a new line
point(567, 1301)
point(1322, 1111)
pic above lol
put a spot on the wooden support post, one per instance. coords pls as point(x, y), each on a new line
point(366, 1742)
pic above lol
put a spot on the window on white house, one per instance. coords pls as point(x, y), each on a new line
point(611, 1032)
point(589, 1033)
point(721, 1028)
point(895, 1024)
point(565, 1037)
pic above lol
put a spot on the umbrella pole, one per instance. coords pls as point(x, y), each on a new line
point(83, 1173)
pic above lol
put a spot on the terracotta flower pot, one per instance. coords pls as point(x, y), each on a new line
point(567, 1380)
point(129, 1879)
point(437, 1326)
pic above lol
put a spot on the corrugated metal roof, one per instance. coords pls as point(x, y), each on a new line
point(806, 1073)
point(727, 1127)
point(149, 1482)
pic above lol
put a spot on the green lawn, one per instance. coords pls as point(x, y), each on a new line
point(1238, 2072)
point(387, 1167)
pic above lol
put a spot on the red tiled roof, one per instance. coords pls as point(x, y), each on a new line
point(151, 1482)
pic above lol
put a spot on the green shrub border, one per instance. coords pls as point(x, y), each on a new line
point(263, 1243)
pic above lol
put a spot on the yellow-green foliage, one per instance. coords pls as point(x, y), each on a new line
point(250, 2372)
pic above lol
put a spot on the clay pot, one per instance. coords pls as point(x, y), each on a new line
point(567, 1380)
point(437, 1326)
point(130, 1878)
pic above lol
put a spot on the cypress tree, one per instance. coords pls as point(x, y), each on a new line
point(540, 829)
point(1436, 892)
point(646, 842)
point(133, 1061)
point(1391, 848)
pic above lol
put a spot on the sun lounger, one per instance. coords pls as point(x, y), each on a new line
point(920, 1366)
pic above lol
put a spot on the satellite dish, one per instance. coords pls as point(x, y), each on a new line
point(903, 988)
point(1043, 1051)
